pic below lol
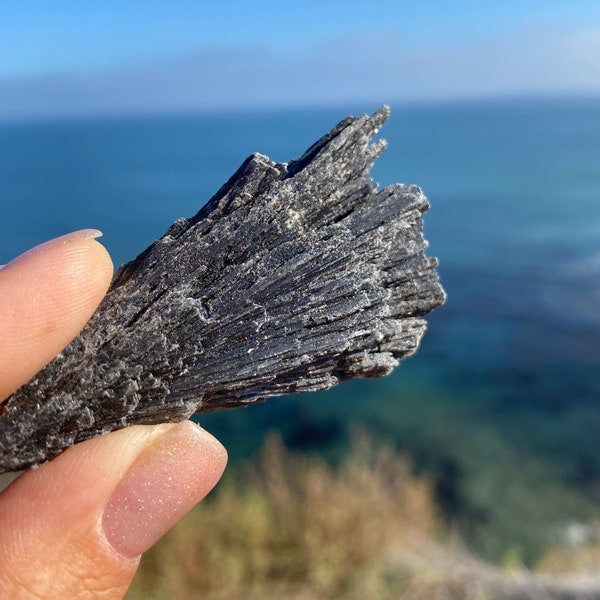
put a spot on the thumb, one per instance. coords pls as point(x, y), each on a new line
point(75, 528)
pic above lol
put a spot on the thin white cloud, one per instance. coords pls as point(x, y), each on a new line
point(359, 68)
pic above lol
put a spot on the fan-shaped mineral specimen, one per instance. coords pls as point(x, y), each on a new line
point(292, 278)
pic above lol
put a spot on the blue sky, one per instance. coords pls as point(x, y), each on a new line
point(68, 57)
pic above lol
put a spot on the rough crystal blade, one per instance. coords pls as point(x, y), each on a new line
point(292, 278)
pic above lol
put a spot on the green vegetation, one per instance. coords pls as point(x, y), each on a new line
point(505, 478)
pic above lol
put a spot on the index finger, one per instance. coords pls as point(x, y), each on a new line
point(47, 295)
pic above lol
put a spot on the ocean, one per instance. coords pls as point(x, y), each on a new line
point(501, 405)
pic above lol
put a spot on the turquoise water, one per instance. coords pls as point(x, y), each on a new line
point(502, 401)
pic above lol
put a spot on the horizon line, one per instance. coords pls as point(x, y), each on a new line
point(254, 109)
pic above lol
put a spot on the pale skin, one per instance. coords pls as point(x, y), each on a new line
point(76, 527)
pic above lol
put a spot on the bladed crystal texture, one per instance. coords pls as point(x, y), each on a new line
point(292, 278)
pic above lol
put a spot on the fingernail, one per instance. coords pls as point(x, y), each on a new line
point(63, 240)
point(168, 478)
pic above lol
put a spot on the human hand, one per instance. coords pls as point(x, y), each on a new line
point(76, 527)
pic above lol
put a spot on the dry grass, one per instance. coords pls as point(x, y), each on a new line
point(584, 559)
point(292, 527)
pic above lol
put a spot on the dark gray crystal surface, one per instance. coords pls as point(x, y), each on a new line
point(292, 278)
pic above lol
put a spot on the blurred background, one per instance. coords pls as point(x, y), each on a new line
point(127, 115)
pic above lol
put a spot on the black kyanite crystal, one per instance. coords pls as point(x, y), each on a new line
point(292, 278)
